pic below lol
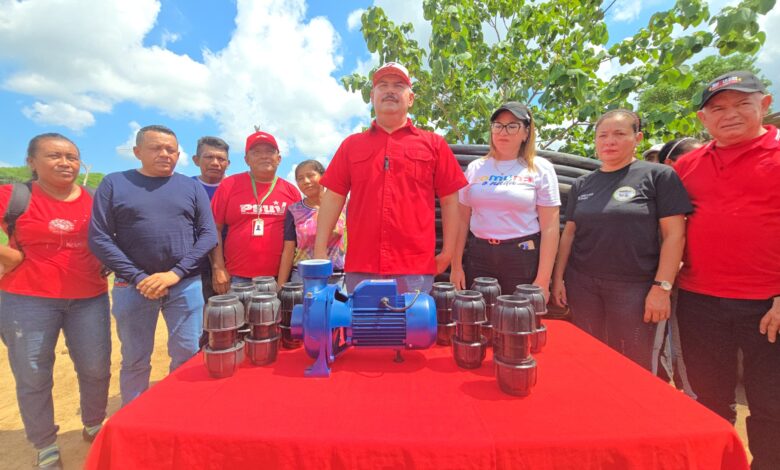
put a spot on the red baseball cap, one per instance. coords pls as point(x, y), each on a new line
point(260, 137)
point(392, 68)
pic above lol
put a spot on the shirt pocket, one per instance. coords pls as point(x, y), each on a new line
point(361, 167)
point(421, 162)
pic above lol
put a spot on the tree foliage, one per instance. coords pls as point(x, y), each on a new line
point(20, 174)
point(655, 97)
point(549, 54)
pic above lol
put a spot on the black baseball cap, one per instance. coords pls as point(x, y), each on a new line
point(519, 110)
point(739, 80)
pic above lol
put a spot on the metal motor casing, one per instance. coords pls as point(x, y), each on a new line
point(360, 320)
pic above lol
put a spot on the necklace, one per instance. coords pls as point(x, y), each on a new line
point(498, 169)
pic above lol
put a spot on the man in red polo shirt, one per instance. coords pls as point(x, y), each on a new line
point(393, 172)
point(729, 295)
point(251, 206)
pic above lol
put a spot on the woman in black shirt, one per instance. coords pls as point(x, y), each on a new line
point(622, 242)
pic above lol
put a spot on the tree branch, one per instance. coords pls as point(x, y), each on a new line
point(608, 7)
point(561, 134)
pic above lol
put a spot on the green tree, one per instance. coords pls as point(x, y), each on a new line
point(484, 52)
point(654, 99)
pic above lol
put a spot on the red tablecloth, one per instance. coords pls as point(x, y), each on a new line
point(591, 408)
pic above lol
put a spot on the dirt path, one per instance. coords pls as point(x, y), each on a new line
point(17, 453)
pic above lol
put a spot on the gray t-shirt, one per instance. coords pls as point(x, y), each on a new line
point(616, 214)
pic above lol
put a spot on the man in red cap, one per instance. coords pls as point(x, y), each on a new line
point(729, 296)
point(252, 206)
point(393, 172)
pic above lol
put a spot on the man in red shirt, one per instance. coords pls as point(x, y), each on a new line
point(252, 206)
point(393, 172)
point(729, 295)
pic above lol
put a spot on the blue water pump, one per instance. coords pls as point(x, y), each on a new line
point(374, 316)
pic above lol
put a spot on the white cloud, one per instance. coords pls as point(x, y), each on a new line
point(291, 174)
point(277, 69)
point(59, 114)
point(287, 85)
point(100, 59)
point(184, 158)
point(354, 20)
point(125, 150)
point(168, 38)
point(363, 67)
point(769, 55)
point(5, 165)
point(626, 10)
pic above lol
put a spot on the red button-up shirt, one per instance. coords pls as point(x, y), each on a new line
point(733, 234)
point(393, 180)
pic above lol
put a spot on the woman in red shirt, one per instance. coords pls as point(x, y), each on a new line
point(51, 282)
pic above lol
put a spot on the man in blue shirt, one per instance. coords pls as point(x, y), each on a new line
point(153, 228)
point(211, 156)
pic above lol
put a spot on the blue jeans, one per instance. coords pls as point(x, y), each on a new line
point(237, 279)
point(406, 282)
point(711, 330)
point(136, 321)
point(613, 312)
point(30, 327)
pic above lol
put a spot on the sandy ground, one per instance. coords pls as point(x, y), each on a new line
point(17, 453)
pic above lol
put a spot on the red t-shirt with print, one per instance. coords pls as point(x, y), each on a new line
point(53, 236)
point(234, 205)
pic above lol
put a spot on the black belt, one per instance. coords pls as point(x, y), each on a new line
point(493, 241)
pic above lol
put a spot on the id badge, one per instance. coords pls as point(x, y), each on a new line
point(258, 227)
point(527, 245)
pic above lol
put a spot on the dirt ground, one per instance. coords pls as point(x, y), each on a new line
point(17, 453)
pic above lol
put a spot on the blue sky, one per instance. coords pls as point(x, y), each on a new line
point(96, 70)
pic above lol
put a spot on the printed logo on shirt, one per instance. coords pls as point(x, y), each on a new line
point(265, 209)
point(624, 194)
point(584, 197)
point(61, 226)
point(505, 180)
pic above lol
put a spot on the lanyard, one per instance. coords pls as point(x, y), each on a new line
point(254, 191)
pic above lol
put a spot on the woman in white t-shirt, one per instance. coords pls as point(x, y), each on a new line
point(511, 206)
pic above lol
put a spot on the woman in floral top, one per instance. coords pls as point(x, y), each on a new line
point(300, 227)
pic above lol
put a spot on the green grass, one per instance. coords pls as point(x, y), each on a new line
point(22, 174)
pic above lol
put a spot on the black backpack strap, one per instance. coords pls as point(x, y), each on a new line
point(21, 193)
point(17, 205)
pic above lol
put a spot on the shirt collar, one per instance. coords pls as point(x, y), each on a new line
point(409, 125)
point(770, 140)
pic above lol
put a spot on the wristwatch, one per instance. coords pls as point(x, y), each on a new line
point(664, 285)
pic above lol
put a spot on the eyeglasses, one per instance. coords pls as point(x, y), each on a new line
point(512, 128)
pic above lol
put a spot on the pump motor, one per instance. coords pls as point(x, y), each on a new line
point(375, 315)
